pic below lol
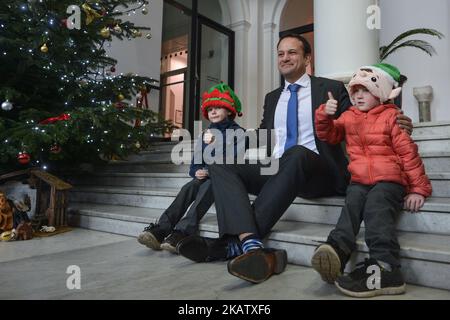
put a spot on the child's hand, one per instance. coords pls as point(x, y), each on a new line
point(413, 202)
point(201, 174)
point(208, 137)
point(331, 106)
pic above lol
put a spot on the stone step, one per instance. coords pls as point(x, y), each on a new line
point(434, 216)
point(433, 143)
point(439, 181)
point(430, 128)
point(434, 162)
point(425, 258)
point(430, 131)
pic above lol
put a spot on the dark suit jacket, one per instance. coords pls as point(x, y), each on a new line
point(333, 154)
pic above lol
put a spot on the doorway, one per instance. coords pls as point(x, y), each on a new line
point(197, 53)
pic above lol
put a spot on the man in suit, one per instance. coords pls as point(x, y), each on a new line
point(308, 168)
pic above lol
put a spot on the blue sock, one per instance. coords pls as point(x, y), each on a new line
point(252, 242)
point(233, 250)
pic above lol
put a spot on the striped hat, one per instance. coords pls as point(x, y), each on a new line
point(221, 96)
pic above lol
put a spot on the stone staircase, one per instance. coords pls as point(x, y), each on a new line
point(124, 197)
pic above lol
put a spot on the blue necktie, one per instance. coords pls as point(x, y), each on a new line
point(292, 118)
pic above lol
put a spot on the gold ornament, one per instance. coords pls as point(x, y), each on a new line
point(44, 48)
point(138, 145)
point(144, 10)
point(138, 34)
point(148, 36)
point(91, 14)
point(105, 32)
point(120, 97)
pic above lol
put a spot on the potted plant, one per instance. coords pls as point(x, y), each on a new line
point(402, 42)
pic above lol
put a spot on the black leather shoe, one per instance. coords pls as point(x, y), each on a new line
point(258, 265)
point(202, 249)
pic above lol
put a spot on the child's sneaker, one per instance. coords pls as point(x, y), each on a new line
point(170, 243)
point(329, 261)
point(152, 236)
point(362, 282)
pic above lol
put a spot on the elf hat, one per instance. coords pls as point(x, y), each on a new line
point(381, 80)
point(221, 96)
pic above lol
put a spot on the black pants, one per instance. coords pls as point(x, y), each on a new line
point(301, 172)
point(199, 194)
point(378, 206)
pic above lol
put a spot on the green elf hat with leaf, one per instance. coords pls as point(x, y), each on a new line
point(382, 80)
point(221, 96)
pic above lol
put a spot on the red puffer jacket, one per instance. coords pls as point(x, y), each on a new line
point(379, 150)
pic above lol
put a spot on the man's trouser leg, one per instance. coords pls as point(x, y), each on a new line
point(301, 172)
point(299, 168)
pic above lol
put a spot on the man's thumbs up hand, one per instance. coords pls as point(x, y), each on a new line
point(331, 106)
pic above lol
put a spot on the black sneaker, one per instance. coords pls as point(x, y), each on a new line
point(152, 236)
point(363, 283)
point(329, 261)
point(170, 243)
point(202, 249)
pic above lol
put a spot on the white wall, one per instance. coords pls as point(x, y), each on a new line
point(398, 16)
point(142, 55)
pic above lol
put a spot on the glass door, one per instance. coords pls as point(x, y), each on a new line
point(216, 57)
point(197, 53)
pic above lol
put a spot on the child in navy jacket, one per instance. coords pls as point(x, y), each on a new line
point(220, 106)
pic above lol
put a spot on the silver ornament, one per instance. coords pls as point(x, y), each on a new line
point(148, 36)
point(7, 106)
point(144, 10)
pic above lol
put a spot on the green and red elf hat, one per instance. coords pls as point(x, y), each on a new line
point(221, 96)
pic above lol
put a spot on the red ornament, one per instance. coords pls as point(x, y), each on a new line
point(64, 23)
point(62, 117)
point(23, 158)
point(55, 149)
point(112, 69)
point(120, 105)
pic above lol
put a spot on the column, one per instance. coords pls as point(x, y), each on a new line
point(343, 41)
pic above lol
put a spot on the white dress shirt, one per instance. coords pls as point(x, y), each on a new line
point(305, 119)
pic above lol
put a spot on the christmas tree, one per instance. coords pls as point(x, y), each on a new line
point(61, 102)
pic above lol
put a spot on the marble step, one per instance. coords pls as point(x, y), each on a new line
point(425, 258)
point(431, 128)
point(433, 143)
point(434, 216)
point(434, 162)
point(439, 181)
point(425, 131)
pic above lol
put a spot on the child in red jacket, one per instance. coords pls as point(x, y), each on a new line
point(384, 166)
